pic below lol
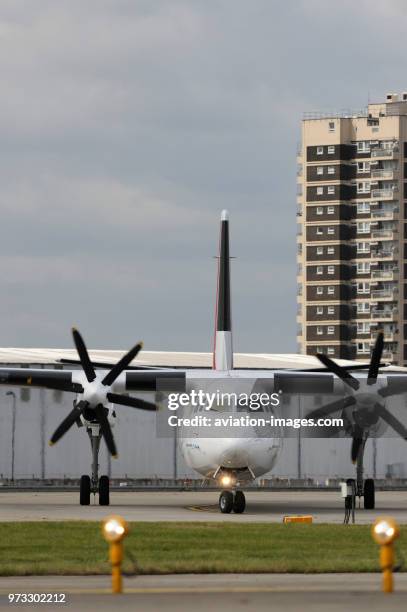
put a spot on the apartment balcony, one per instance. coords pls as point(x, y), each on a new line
point(387, 275)
point(384, 153)
point(384, 255)
point(384, 234)
point(383, 194)
point(388, 215)
point(381, 295)
point(383, 175)
point(384, 315)
point(388, 356)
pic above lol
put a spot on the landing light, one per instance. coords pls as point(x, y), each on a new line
point(226, 480)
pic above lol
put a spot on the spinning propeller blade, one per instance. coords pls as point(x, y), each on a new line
point(375, 360)
point(134, 402)
point(106, 429)
point(122, 364)
point(67, 423)
point(83, 355)
point(325, 411)
point(343, 374)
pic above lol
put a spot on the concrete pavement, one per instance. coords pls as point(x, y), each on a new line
point(262, 506)
point(226, 592)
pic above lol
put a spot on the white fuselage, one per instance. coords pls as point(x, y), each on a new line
point(247, 457)
point(208, 456)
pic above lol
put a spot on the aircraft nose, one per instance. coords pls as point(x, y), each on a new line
point(236, 455)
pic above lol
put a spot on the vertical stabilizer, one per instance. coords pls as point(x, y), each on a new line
point(223, 348)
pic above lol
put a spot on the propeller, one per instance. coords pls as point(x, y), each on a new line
point(367, 410)
point(95, 393)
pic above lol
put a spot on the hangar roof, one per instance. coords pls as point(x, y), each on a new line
point(37, 356)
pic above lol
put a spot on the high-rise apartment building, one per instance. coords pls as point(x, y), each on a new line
point(352, 232)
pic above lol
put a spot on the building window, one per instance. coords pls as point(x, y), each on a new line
point(320, 331)
point(320, 250)
point(331, 330)
point(320, 210)
point(320, 150)
point(320, 170)
point(363, 227)
point(320, 290)
point(363, 307)
point(332, 126)
point(363, 288)
point(363, 347)
point(331, 290)
point(331, 189)
point(363, 167)
point(330, 250)
point(331, 350)
point(363, 207)
point(330, 210)
point(363, 187)
point(363, 146)
point(320, 310)
point(331, 150)
point(320, 231)
point(331, 269)
point(320, 269)
point(320, 191)
point(331, 310)
point(331, 230)
point(331, 169)
point(363, 267)
point(363, 327)
point(363, 247)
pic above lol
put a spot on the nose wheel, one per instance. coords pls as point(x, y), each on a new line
point(94, 484)
point(84, 493)
point(369, 494)
point(232, 500)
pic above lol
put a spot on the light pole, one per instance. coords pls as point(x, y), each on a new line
point(13, 430)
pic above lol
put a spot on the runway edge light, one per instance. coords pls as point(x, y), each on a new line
point(115, 529)
point(385, 531)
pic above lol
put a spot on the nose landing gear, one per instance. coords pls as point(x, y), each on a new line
point(94, 484)
point(232, 500)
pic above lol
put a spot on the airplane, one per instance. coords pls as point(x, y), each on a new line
point(100, 386)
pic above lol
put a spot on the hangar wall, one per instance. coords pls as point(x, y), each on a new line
point(143, 455)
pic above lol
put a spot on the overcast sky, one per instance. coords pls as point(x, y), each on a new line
point(126, 127)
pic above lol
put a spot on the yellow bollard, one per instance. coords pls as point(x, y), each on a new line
point(114, 529)
point(116, 558)
point(384, 531)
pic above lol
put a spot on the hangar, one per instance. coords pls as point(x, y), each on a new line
point(144, 455)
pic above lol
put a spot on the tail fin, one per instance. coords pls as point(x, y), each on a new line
point(223, 348)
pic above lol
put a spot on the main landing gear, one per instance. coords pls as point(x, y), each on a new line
point(94, 484)
point(232, 500)
point(364, 488)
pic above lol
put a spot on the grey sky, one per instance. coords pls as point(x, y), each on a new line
point(126, 126)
